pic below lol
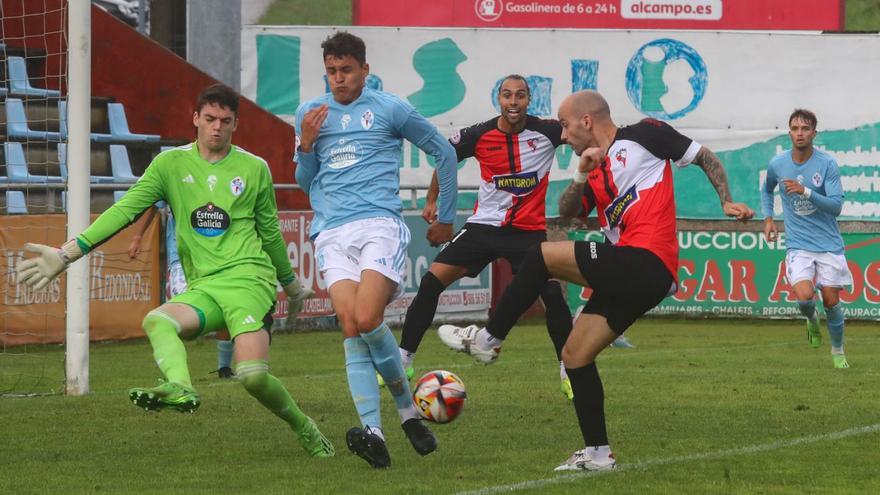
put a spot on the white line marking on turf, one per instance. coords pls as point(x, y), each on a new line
point(719, 454)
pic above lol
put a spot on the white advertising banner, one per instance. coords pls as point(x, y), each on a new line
point(731, 91)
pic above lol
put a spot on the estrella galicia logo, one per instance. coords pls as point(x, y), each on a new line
point(517, 184)
point(659, 92)
point(210, 220)
point(614, 212)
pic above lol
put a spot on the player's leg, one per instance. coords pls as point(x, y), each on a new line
point(247, 305)
point(225, 349)
point(252, 358)
point(341, 273)
point(800, 271)
point(591, 334)
point(613, 307)
point(421, 311)
point(550, 259)
point(186, 316)
point(835, 320)
point(832, 274)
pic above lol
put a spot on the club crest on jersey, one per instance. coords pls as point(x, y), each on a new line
point(209, 220)
point(367, 120)
point(533, 144)
point(620, 156)
point(516, 184)
point(817, 179)
point(236, 185)
point(614, 212)
point(344, 121)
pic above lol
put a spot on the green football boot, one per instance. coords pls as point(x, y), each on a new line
point(840, 361)
point(313, 441)
point(814, 333)
point(565, 386)
point(168, 395)
point(410, 372)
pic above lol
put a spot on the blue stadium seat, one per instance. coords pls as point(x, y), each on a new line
point(117, 195)
point(17, 124)
point(119, 126)
point(121, 165)
point(15, 203)
point(19, 84)
point(95, 137)
point(94, 179)
point(3, 92)
point(17, 168)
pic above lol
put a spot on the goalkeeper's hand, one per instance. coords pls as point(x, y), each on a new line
point(296, 295)
point(49, 263)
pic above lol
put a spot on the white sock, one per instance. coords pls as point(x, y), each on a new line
point(408, 414)
point(485, 340)
point(562, 374)
point(836, 350)
point(375, 430)
point(406, 358)
point(599, 453)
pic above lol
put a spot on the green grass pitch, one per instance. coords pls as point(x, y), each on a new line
point(699, 407)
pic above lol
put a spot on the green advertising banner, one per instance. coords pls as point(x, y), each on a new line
point(740, 274)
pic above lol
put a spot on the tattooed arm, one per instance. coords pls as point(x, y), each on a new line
point(570, 202)
point(711, 165)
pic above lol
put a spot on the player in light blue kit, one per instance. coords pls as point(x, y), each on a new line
point(812, 198)
point(349, 145)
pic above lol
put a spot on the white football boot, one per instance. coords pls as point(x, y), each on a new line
point(583, 461)
point(465, 340)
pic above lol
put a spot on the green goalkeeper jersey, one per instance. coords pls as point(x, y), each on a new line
point(227, 219)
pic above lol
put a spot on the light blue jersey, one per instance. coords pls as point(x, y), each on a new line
point(353, 170)
point(810, 219)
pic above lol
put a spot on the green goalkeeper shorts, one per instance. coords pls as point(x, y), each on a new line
point(236, 303)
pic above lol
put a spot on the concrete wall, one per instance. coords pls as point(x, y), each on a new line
point(213, 40)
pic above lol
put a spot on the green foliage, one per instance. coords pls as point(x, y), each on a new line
point(863, 15)
point(308, 12)
point(678, 407)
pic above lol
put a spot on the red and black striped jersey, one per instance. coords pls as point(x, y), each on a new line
point(632, 190)
point(514, 171)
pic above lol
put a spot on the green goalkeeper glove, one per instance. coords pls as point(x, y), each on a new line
point(50, 262)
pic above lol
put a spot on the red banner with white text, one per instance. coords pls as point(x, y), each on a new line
point(604, 14)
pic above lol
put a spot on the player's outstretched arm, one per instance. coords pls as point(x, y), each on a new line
point(711, 165)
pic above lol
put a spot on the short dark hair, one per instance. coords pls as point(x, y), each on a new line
point(220, 94)
point(805, 115)
point(518, 77)
point(343, 43)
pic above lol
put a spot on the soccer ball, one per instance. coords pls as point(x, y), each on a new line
point(439, 396)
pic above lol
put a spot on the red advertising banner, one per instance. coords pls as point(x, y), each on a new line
point(122, 290)
point(604, 14)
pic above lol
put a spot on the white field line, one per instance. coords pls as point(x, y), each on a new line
point(718, 454)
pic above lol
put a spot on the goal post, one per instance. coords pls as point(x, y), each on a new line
point(79, 53)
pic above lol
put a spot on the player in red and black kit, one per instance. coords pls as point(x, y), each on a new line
point(626, 175)
point(515, 152)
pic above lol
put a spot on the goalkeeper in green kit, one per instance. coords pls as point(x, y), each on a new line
point(232, 253)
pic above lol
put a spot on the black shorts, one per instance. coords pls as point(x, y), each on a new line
point(476, 245)
point(627, 281)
